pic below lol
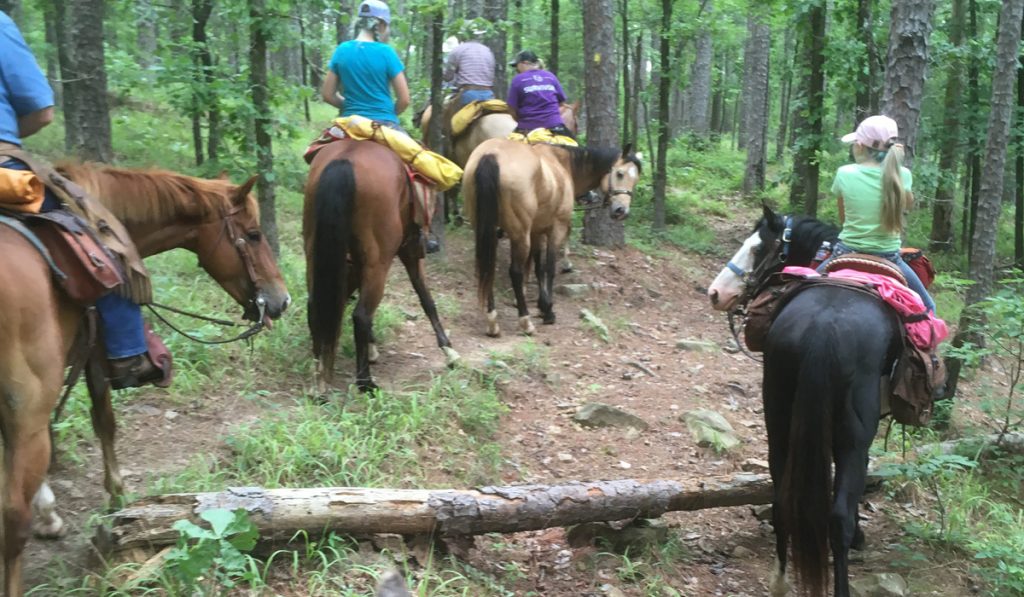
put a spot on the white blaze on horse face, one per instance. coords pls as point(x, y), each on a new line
point(728, 286)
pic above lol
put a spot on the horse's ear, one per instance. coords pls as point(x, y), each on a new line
point(627, 149)
point(223, 175)
point(241, 192)
point(575, 106)
point(768, 213)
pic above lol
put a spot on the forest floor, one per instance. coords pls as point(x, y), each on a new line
point(648, 302)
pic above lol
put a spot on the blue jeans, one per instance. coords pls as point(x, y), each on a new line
point(120, 318)
point(913, 282)
point(475, 95)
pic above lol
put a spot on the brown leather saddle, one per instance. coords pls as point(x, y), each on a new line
point(868, 264)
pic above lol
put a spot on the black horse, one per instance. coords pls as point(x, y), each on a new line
point(825, 359)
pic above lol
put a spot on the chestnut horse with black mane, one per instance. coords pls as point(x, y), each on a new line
point(528, 191)
point(161, 211)
point(357, 216)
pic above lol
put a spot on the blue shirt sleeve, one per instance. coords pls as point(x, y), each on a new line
point(23, 82)
point(395, 66)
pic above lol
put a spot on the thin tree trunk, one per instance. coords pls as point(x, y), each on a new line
point(945, 194)
point(146, 33)
point(87, 118)
point(866, 76)
point(203, 78)
point(517, 27)
point(759, 32)
point(13, 10)
point(52, 62)
point(974, 92)
point(555, 34)
point(259, 84)
point(304, 65)
point(1018, 215)
point(808, 113)
point(434, 135)
point(907, 67)
point(496, 11)
point(982, 262)
point(660, 170)
point(600, 76)
point(698, 98)
point(638, 81)
point(624, 53)
point(785, 92)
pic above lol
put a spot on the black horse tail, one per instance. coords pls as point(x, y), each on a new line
point(486, 179)
point(806, 493)
point(333, 205)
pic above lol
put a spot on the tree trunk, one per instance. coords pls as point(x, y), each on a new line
point(342, 21)
point(435, 134)
point(281, 513)
point(624, 55)
point(786, 92)
point(639, 73)
point(517, 27)
point(13, 10)
point(602, 104)
point(974, 161)
point(698, 97)
point(909, 33)
point(760, 40)
point(203, 77)
point(52, 62)
point(496, 11)
point(982, 262)
point(556, 32)
point(945, 194)
point(807, 114)
point(664, 87)
point(146, 33)
point(259, 83)
point(1018, 214)
point(866, 76)
point(86, 112)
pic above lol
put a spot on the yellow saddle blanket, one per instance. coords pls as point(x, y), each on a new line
point(469, 113)
point(445, 173)
point(543, 136)
point(20, 190)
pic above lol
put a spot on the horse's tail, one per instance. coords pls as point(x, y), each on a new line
point(486, 180)
point(333, 205)
point(805, 498)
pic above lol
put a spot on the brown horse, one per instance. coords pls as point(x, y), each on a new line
point(528, 191)
point(358, 215)
point(161, 211)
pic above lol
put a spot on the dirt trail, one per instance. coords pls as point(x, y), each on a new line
point(648, 304)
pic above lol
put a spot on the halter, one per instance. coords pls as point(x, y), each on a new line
point(783, 254)
point(229, 229)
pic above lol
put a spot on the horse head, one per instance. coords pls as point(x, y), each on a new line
point(618, 184)
point(777, 241)
point(234, 251)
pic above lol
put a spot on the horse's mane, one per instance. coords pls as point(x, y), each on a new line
point(807, 235)
point(635, 160)
point(591, 159)
point(152, 194)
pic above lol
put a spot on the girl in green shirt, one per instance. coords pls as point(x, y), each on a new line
point(873, 193)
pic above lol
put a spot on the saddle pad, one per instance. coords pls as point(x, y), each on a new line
point(868, 264)
point(543, 136)
point(469, 113)
point(21, 190)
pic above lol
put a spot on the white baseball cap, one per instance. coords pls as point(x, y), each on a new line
point(877, 132)
point(376, 9)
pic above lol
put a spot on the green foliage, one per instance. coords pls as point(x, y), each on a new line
point(218, 551)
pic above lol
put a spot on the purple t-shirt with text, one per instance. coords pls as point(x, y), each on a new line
point(535, 95)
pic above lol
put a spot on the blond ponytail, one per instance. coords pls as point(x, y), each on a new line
point(893, 193)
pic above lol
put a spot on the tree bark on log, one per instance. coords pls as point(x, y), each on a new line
point(279, 513)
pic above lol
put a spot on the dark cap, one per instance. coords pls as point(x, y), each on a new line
point(524, 56)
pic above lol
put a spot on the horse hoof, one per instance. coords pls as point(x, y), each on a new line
point(374, 353)
point(858, 539)
point(492, 324)
point(451, 357)
point(367, 386)
point(567, 268)
point(526, 326)
point(549, 318)
point(52, 528)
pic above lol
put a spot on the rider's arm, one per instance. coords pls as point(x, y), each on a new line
point(401, 89)
point(842, 209)
point(451, 66)
point(30, 123)
point(331, 90)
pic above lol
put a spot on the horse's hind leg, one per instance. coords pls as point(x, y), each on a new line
point(777, 393)
point(371, 292)
point(851, 441)
point(104, 424)
point(516, 271)
point(414, 267)
point(46, 523)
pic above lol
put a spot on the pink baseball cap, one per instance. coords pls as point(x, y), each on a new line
point(876, 132)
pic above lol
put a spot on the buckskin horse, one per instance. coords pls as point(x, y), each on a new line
point(161, 211)
point(528, 191)
point(357, 216)
point(825, 358)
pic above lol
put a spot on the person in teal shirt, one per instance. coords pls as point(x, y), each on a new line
point(363, 72)
point(873, 193)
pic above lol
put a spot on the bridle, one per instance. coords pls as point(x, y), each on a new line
point(231, 231)
point(753, 283)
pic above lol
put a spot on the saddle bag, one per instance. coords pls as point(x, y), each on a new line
point(90, 271)
point(918, 381)
point(765, 305)
point(920, 263)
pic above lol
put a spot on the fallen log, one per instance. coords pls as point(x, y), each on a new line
point(280, 513)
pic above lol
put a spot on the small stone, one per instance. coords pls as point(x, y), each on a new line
point(742, 553)
point(170, 415)
point(625, 465)
point(696, 345)
point(564, 457)
point(884, 584)
point(710, 429)
point(597, 414)
point(754, 465)
point(573, 290)
point(762, 512)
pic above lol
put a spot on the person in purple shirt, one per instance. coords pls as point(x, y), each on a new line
point(26, 106)
point(534, 96)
